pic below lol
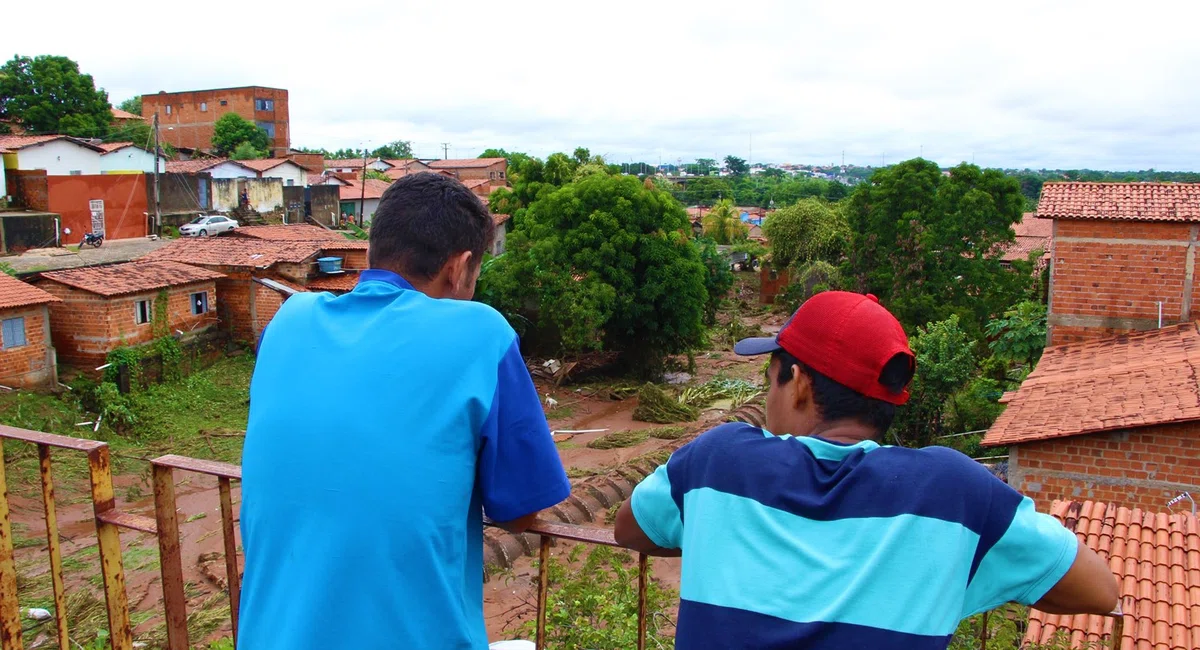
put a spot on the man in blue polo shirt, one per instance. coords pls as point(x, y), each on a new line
point(811, 535)
point(362, 508)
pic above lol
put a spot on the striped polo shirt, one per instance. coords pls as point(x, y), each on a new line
point(799, 542)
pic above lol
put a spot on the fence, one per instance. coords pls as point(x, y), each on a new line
point(165, 526)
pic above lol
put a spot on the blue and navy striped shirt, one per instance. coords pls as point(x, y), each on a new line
point(798, 542)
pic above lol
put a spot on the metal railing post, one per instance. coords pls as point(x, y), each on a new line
point(543, 589)
point(174, 599)
point(109, 541)
point(231, 562)
point(983, 631)
point(643, 567)
point(10, 610)
point(56, 568)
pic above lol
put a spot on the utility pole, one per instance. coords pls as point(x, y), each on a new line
point(445, 151)
point(157, 155)
point(362, 199)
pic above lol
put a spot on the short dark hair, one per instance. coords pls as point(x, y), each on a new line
point(424, 219)
point(837, 402)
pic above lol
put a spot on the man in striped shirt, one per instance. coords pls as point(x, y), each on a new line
point(810, 534)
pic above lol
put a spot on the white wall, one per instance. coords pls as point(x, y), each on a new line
point(287, 172)
point(230, 170)
point(369, 208)
point(59, 158)
point(130, 159)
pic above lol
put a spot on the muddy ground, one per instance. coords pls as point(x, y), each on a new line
point(510, 598)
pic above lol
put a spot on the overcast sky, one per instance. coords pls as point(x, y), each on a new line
point(1012, 84)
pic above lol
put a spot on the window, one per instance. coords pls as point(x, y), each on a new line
point(200, 303)
point(168, 109)
point(501, 174)
point(224, 102)
point(291, 182)
point(269, 127)
point(77, 172)
point(492, 175)
point(141, 312)
point(203, 107)
point(14, 332)
point(264, 104)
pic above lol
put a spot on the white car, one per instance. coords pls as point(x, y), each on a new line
point(203, 226)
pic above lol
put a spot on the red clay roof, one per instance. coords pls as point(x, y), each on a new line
point(1031, 234)
point(268, 163)
point(15, 293)
point(298, 232)
point(1131, 380)
point(130, 277)
point(119, 114)
point(500, 218)
point(475, 183)
point(1156, 559)
point(398, 173)
point(246, 252)
point(465, 163)
point(351, 163)
point(338, 282)
point(110, 147)
point(406, 163)
point(1125, 201)
point(17, 142)
point(353, 190)
point(202, 164)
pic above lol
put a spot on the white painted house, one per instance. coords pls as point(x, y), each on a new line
point(216, 167)
point(282, 168)
point(355, 165)
point(58, 155)
point(128, 158)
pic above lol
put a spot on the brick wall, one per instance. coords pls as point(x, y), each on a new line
point(32, 365)
point(189, 126)
point(244, 306)
point(773, 282)
point(492, 172)
point(85, 327)
point(267, 301)
point(1143, 467)
point(1109, 277)
point(28, 188)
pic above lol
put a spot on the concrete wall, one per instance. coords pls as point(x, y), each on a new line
point(230, 170)
point(265, 194)
point(319, 202)
point(20, 231)
point(130, 160)
point(59, 158)
point(123, 197)
point(85, 327)
point(498, 245)
point(189, 126)
point(288, 172)
point(1109, 277)
point(32, 365)
point(494, 172)
point(1144, 467)
point(182, 193)
point(369, 207)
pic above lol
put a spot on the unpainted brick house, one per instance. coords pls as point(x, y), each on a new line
point(27, 358)
point(1123, 253)
point(465, 169)
point(1114, 419)
point(102, 308)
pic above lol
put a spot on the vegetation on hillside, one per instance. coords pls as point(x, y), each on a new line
point(49, 94)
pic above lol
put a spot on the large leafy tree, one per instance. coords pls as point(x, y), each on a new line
point(1019, 335)
point(602, 263)
point(806, 231)
point(723, 225)
point(736, 166)
point(929, 244)
point(945, 362)
point(48, 94)
point(232, 130)
point(132, 105)
point(398, 149)
point(707, 190)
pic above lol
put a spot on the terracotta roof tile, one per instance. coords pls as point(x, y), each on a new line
point(500, 218)
point(476, 183)
point(338, 282)
point(406, 163)
point(1131, 380)
point(130, 277)
point(1031, 234)
point(15, 293)
point(465, 163)
point(264, 164)
point(1160, 605)
point(110, 147)
point(1128, 201)
point(244, 252)
point(200, 164)
point(353, 191)
point(398, 173)
point(119, 114)
point(298, 232)
point(15, 142)
point(351, 163)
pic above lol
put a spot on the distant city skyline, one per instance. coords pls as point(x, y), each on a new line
point(1040, 85)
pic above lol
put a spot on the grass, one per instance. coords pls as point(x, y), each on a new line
point(581, 472)
point(196, 517)
point(140, 558)
point(610, 517)
point(560, 413)
point(668, 433)
point(619, 439)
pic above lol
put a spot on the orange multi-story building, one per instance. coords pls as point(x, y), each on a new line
point(186, 119)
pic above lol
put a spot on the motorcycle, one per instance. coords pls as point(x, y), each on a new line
point(93, 239)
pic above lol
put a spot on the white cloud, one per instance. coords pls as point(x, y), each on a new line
point(1041, 84)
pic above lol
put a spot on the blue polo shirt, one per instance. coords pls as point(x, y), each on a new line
point(804, 543)
point(383, 425)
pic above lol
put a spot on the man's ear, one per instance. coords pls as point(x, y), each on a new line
point(460, 270)
point(799, 389)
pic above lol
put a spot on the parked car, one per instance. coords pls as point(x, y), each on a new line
point(203, 226)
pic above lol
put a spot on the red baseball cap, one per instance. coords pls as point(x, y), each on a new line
point(848, 337)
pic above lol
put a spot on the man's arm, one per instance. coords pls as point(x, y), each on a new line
point(520, 524)
point(1089, 587)
point(650, 521)
point(630, 535)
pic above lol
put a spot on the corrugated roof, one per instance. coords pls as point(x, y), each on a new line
point(246, 252)
point(1122, 201)
point(1131, 380)
point(15, 293)
point(465, 163)
point(130, 277)
point(1156, 559)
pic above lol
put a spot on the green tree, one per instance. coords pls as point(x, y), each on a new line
point(805, 231)
point(322, 151)
point(1019, 336)
point(718, 278)
point(945, 361)
point(232, 130)
point(560, 169)
point(736, 166)
point(706, 190)
point(347, 154)
point(602, 264)
point(246, 151)
point(723, 224)
point(397, 150)
point(581, 155)
point(132, 105)
point(706, 166)
point(48, 94)
point(378, 175)
point(929, 244)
